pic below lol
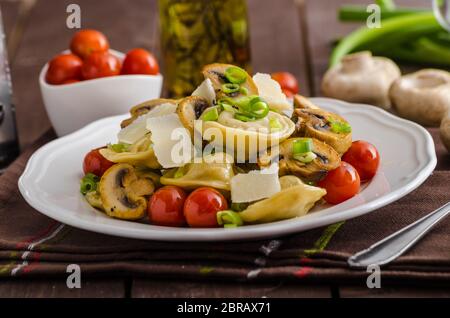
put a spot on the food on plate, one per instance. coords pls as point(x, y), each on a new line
point(64, 68)
point(165, 206)
point(423, 96)
point(287, 81)
point(91, 58)
point(341, 183)
point(445, 131)
point(226, 156)
point(325, 126)
point(85, 42)
point(140, 61)
point(364, 157)
point(100, 64)
point(361, 78)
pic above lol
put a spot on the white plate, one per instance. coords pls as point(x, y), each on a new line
point(50, 182)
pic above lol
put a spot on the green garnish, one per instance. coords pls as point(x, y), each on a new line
point(302, 146)
point(179, 172)
point(230, 88)
point(236, 75)
point(306, 157)
point(258, 107)
point(243, 90)
point(89, 183)
point(120, 147)
point(210, 114)
point(340, 127)
point(242, 117)
point(274, 124)
point(229, 218)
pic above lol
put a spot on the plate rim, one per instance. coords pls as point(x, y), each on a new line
point(263, 231)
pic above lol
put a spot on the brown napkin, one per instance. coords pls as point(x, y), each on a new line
point(31, 244)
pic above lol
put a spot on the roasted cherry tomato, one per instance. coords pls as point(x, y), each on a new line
point(95, 163)
point(62, 68)
point(287, 81)
point(100, 64)
point(140, 61)
point(85, 42)
point(364, 157)
point(202, 205)
point(165, 206)
point(341, 183)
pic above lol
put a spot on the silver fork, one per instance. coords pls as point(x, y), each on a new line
point(398, 243)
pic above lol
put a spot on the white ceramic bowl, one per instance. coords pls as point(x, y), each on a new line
point(73, 106)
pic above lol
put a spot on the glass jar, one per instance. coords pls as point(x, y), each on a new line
point(199, 32)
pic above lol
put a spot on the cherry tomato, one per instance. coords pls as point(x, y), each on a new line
point(62, 68)
point(202, 205)
point(100, 64)
point(287, 81)
point(95, 163)
point(87, 41)
point(287, 92)
point(364, 157)
point(341, 183)
point(70, 81)
point(140, 61)
point(165, 207)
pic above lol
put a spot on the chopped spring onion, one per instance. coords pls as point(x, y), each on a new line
point(89, 183)
point(120, 147)
point(340, 127)
point(236, 75)
point(305, 157)
point(230, 88)
point(243, 90)
point(302, 146)
point(229, 218)
point(244, 117)
point(210, 114)
point(258, 107)
point(274, 124)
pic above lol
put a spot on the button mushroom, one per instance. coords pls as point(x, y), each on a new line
point(423, 96)
point(122, 192)
point(361, 78)
point(326, 159)
point(445, 131)
point(144, 108)
point(325, 126)
point(220, 75)
point(189, 109)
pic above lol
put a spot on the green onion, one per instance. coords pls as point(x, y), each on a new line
point(236, 75)
point(230, 88)
point(302, 145)
point(210, 114)
point(89, 183)
point(228, 108)
point(359, 13)
point(274, 124)
point(340, 127)
point(258, 108)
point(305, 157)
point(120, 147)
point(386, 5)
point(243, 117)
point(243, 90)
point(229, 218)
point(179, 172)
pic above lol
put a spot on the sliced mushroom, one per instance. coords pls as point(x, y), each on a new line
point(317, 123)
point(216, 73)
point(94, 199)
point(303, 102)
point(189, 109)
point(144, 108)
point(122, 192)
point(423, 96)
point(327, 159)
point(361, 78)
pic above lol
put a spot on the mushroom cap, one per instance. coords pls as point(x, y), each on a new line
point(423, 96)
point(361, 78)
point(190, 109)
point(144, 108)
point(445, 131)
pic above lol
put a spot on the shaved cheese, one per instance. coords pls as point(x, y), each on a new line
point(138, 128)
point(206, 90)
point(255, 185)
point(271, 92)
point(171, 141)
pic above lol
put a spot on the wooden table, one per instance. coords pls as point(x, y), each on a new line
point(285, 35)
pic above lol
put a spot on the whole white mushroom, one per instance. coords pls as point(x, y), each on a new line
point(423, 96)
point(445, 131)
point(361, 78)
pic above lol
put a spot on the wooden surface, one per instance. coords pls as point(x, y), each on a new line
point(280, 41)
